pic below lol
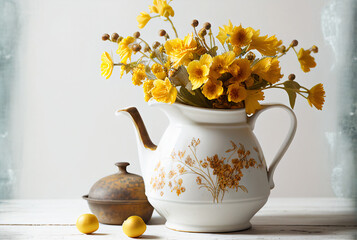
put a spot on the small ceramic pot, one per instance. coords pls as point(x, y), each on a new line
point(116, 197)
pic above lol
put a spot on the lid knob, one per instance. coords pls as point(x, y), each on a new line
point(122, 166)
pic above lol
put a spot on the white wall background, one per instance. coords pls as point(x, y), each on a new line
point(71, 137)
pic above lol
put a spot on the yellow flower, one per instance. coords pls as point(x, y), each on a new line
point(139, 75)
point(212, 89)
point(241, 36)
point(306, 60)
point(236, 93)
point(268, 69)
point(181, 51)
point(266, 46)
point(167, 65)
point(198, 71)
point(240, 69)
point(158, 71)
point(221, 63)
point(143, 19)
point(163, 91)
point(225, 32)
point(107, 65)
point(237, 50)
point(122, 70)
point(316, 96)
point(251, 101)
point(162, 8)
point(148, 86)
point(124, 49)
point(206, 59)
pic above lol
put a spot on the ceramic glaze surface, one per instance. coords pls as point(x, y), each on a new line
point(208, 173)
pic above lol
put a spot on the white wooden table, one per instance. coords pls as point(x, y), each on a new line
point(316, 218)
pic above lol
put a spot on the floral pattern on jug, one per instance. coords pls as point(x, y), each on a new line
point(215, 174)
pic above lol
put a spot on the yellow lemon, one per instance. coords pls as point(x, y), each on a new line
point(134, 226)
point(87, 223)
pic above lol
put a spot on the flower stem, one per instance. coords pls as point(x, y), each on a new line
point(224, 47)
point(295, 51)
point(148, 57)
point(287, 50)
point(210, 38)
point(145, 42)
point(199, 39)
point(214, 42)
point(205, 44)
point(292, 89)
point(302, 95)
point(305, 88)
point(173, 27)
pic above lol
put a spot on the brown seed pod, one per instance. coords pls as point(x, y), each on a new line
point(146, 48)
point(250, 56)
point(291, 77)
point(136, 34)
point(294, 43)
point(136, 47)
point(105, 37)
point(207, 26)
point(194, 23)
point(114, 37)
point(162, 33)
point(202, 33)
point(155, 45)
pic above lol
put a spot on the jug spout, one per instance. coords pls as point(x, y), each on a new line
point(143, 135)
point(145, 145)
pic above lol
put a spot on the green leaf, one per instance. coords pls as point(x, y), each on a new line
point(258, 84)
point(292, 85)
point(225, 76)
point(292, 97)
point(213, 51)
point(195, 99)
point(180, 77)
point(188, 97)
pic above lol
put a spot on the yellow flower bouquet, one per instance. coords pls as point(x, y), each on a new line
point(193, 71)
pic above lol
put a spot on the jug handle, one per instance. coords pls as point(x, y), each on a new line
point(286, 142)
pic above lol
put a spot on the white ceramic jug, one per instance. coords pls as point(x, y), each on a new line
point(208, 173)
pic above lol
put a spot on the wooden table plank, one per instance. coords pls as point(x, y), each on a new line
point(42, 211)
point(318, 218)
point(318, 211)
point(159, 232)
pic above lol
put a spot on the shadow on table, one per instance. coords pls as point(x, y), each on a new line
point(149, 237)
point(294, 224)
point(157, 220)
point(298, 224)
point(332, 219)
point(278, 230)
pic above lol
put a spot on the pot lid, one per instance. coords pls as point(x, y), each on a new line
point(119, 186)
